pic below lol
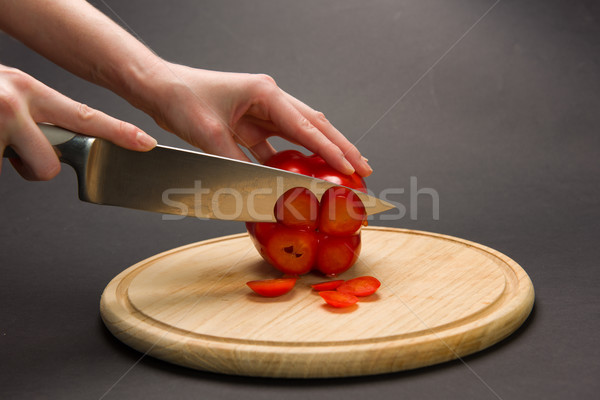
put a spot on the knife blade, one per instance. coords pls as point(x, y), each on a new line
point(174, 181)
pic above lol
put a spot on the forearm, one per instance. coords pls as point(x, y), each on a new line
point(79, 38)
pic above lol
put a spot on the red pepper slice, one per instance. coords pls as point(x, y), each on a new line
point(342, 212)
point(338, 299)
point(329, 285)
point(297, 208)
point(361, 286)
point(272, 287)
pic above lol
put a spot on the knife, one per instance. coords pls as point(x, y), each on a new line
point(168, 180)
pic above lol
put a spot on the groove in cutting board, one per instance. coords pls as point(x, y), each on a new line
point(441, 298)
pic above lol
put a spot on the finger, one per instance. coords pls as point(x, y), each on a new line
point(265, 129)
point(247, 133)
point(263, 151)
point(266, 125)
point(254, 138)
point(297, 127)
point(37, 159)
point(319, 120)
point(52, 106)
point(219, 140)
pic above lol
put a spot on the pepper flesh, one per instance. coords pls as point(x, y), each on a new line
point(272, 287)
point(361, 286)
point(329, 285)
point(338, 299)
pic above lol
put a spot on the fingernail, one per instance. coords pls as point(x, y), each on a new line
point(145, 140)
point(348, 168)
point(365, 159)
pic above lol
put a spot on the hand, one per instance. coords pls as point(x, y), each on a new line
point(25, 101)
point(217, 111)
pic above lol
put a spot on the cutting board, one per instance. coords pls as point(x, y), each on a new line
point(441, 298)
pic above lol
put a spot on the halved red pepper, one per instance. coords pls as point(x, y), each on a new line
point(310, 234)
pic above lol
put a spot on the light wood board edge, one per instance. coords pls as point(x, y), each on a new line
point(299, 361)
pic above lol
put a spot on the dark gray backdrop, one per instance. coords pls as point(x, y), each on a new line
point(505, 127)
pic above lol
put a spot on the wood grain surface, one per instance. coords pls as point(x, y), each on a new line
point(441, 298)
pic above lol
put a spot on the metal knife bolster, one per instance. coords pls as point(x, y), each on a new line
point(71, 148)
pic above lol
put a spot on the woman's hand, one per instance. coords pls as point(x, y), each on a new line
point(217, 111)
point(25, 101)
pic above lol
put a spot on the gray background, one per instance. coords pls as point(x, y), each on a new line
point(505, 128)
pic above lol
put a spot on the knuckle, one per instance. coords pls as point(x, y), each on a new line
point(19, 78)
point(266, 79)
point(335, 150)
point(265, 84)
point(305, 125)
point(352, 151)
point(320, 117)
point(212, 128)
point(10, 104)
point(12, 98)
point(121, 132)
point(84, 112)
point(210, 136)
point(124, 128)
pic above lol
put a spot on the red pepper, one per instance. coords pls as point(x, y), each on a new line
point(338, 299)
point(272, 287)
point(310, 234)
point(361, 286)
point(329, 285)
point(294, 161)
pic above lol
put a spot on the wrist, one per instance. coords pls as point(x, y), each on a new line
point(139, 80)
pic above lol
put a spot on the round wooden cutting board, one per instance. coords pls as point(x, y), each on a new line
point(441, 298)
